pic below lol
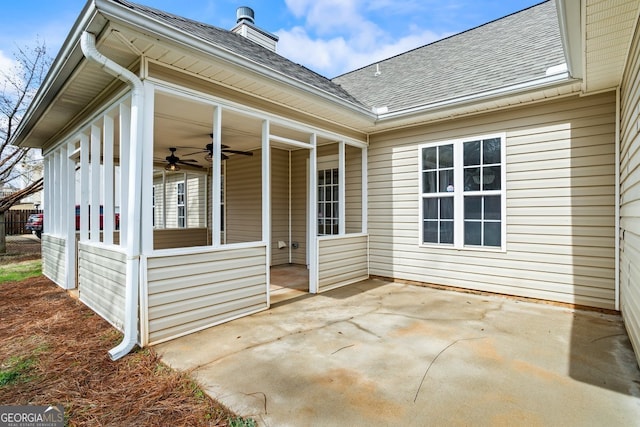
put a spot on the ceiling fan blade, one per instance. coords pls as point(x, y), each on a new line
point(244, 153)
point(188, 160)
point(195, 165)
point(196, 152)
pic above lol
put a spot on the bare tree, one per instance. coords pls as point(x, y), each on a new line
point(18, 86)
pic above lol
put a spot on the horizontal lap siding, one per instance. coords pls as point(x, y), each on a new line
point(243, 198)
point(179, 238)
point(630, 196)
point(279, 206)
point(353, 189)
point(191, 292)
point(53, 259)
point(102, 281)
point(299, 183)
point(342, 260)
point(560, 205)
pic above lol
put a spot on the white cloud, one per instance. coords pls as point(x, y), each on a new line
point(6, 63)
point(337, 55)
point(342, 35)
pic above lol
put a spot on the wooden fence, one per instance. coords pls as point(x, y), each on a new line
point(14, 221)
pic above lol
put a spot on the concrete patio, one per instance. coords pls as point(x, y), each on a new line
point(378, 353)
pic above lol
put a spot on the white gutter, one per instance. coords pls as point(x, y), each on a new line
point(542, 83)
point(617, 204)
point(569, 16)
point(130, 339)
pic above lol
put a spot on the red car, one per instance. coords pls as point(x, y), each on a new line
point(34, 222)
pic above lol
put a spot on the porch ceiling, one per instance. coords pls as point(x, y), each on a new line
point(608, 30)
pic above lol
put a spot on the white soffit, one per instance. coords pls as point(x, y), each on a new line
point(609, 26)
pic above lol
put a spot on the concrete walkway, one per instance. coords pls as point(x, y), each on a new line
point(382, 354)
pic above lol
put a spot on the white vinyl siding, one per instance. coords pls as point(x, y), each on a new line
point(53, 259)
point(279, 206)
point(101, 281)
point(180, 238)
point(342, 260)
point(168, 204)
point(630, 196)
point(353, 190)
point(192, 291)
point(560, 182)
point(243, 199)
point(299, 183)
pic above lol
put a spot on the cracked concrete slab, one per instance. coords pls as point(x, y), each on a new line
point(378, 353)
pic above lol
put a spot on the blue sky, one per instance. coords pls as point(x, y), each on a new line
point(327, 36)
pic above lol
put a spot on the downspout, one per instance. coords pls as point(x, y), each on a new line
point(617, 204)
point(130, 339)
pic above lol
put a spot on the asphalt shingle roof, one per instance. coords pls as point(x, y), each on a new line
point(515, 49)
point(511, 50)
point(243, 47)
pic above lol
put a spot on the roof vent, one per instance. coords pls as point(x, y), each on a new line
point(246, 27)
point(245, 13)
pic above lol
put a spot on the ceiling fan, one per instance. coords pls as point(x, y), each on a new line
point(173, 161)
point(208, 151)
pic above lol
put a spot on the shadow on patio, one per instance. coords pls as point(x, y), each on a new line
point(378, 353)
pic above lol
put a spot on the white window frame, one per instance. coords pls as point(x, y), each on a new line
point(153, 206)
point(181, 205)
point(459, 194)
point(328, 163)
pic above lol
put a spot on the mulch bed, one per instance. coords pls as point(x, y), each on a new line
point(67, 344)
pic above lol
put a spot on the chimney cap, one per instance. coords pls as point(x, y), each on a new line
point(245, 13)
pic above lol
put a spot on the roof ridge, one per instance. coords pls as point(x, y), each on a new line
point(248, 49)
point(442, 39)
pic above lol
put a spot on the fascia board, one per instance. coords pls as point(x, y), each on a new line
point(508, 91)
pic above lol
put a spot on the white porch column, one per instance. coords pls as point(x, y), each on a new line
point(46, 190)
point(365, 190)
point(69, 215)
point(58, 196)
point(145, 162)
point(94, 209)
point(84, 187)
point(216, 173)
point(266, 188)
point(342, 180)
point(107, 181)
point(125, 142)
point(313, 216)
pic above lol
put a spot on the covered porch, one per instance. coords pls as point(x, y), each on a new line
point(221, 193)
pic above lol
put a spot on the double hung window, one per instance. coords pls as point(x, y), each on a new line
point(462, 193)
point(328, 204)
point(181, 205)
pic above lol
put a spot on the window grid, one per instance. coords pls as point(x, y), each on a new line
point(182, 209)
point(153, 206)
point(462, 193)
point(328, 205)
point(438, 201)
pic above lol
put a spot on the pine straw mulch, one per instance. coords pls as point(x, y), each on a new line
point(66, 345)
